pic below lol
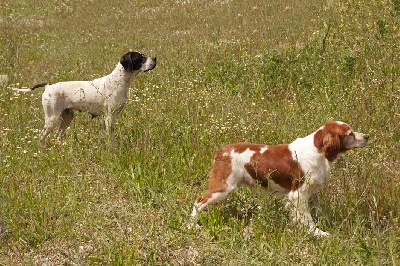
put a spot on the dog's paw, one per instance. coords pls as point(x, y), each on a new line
point(192, 225)
point(320, 233)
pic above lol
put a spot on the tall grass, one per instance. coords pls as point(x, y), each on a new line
point(228, 71)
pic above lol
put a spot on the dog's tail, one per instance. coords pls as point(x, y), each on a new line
point(31, 89)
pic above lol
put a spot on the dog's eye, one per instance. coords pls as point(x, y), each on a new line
point(351, 134)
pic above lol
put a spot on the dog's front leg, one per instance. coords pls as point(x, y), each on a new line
point(113, 118)
point(298, 207)
point(109, 123)
point(104, 130)
point(313, 204)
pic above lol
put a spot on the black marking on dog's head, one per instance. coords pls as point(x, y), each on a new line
point(132, 61)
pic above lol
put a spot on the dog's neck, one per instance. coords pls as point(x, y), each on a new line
point(119, 73)
point(305, 149)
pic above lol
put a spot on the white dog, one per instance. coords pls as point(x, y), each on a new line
point(103, 96)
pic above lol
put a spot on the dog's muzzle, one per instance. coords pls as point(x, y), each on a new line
point(150, 64)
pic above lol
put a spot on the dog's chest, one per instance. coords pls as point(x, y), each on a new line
point(108, 92)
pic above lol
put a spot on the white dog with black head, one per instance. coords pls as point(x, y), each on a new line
point(103, 96)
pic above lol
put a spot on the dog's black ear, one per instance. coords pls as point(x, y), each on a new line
point(132, 61)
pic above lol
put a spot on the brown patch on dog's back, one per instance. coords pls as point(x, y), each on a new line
point(243, 146)
point(276, 164)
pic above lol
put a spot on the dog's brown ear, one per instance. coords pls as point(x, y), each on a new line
point(331, 145)
point(319, 140)
point(327, 143)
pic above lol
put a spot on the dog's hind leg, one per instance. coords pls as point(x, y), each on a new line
point(208, 198)
point(203, 202)
point(66, 118)
point(216, 192)
point(49, 125)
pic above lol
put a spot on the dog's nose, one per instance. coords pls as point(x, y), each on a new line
point(366, 137)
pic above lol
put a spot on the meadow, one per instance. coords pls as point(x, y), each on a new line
point(228, 71)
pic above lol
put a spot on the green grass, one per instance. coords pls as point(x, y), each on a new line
point(227, 71)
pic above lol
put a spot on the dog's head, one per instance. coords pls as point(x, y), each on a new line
point(335, 137)
point(134, 61)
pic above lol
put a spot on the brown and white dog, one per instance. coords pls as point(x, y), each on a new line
point(296, 171)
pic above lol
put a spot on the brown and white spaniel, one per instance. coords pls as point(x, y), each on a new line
point(296, 171)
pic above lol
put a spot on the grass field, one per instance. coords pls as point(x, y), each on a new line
point(228, 71)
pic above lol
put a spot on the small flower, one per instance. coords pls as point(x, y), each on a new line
point(56, 142)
